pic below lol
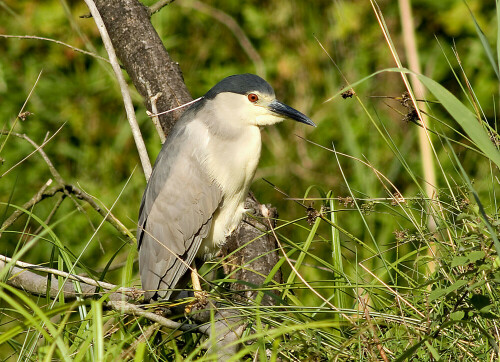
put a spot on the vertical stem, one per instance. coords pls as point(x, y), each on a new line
point(339, 296)
point(426, 154)
point(414, 65)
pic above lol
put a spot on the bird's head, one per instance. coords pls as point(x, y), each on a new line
point(250, 100)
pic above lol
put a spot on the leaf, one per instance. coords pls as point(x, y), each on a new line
point(458, 284)
point(480, 301)
point(433, 351)
point(485, 43)
point(463, 216)
point(476, 255)
point(459, 261)
point(436, 294)
point(458, 315)
point(465, 118)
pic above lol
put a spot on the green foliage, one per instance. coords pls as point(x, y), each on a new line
point(370, 260)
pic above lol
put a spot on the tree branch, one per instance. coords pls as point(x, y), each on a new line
point(33, 283)
point(119, 297)
point(157, 6)
point(69, 190)
point(127, 308)
point(144, 57)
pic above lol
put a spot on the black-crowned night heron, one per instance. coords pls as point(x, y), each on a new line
point(195, 196)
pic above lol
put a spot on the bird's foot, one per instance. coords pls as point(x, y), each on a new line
point(200, 301)
point(250, 211)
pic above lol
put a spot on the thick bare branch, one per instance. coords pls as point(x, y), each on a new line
point(228, 325)
point(143, 55)
point(36, 284)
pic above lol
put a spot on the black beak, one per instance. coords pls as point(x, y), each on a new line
point(289, 112)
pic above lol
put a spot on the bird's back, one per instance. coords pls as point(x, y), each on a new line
point(176, 211)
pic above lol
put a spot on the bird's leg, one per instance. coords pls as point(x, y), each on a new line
point(199, 295)
point(196, 281)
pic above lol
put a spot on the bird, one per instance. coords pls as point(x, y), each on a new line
point(195, 196)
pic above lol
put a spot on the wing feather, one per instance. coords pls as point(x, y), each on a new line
point(175, 215)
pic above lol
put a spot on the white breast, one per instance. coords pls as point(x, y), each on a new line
point(232, 163)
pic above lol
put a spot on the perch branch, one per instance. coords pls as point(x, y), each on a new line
point(133, 309)
point(131, 292)
point(21, 278)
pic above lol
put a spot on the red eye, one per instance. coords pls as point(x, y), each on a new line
point(252, 97)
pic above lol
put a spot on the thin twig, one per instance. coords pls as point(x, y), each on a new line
point(40, 150)
point(154, 116)
point(52, 213)
point(158, 5)
point(233, 26)
point(33, 152)
point(21, 111)
point(79, 194)
point(69, 190)
point(127, 100)
point(54, 41)
point(173, 109)
point(28, 205)
point(132, 309)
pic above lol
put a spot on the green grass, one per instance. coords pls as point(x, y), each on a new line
point(372, 260)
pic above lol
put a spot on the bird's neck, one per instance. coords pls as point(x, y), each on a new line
point(232, 161)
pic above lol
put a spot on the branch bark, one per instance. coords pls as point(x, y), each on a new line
point(36, 284)
point(252, 253)
point(228, 327)
point(144, 57)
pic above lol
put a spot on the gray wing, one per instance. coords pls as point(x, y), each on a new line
point(175, 215)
